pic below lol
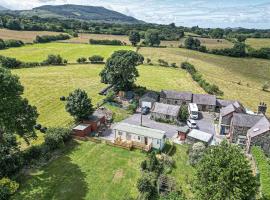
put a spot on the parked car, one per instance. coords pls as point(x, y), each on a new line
point(191, 123)
point(145, 110)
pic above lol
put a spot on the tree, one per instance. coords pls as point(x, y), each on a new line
point(120, 69)
point(79, 105)
point(10, 62)
point(225, 170)
point(7, 188)
point(239, 49)
point(196, 153)
point(17, 118)
point(183, 114)
point(146, 185)
point(241, 38)
point(217, 33)
point(152, 37)
point(134, 37)
point(53, 60)
point(2, 44)
point(81, 60)
point(173, 196)
point(191, 43)
point(96, 59)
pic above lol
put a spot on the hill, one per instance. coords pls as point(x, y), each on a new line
point(3, 8)
point(79, 12)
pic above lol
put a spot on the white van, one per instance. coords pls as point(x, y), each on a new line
point(193, 111)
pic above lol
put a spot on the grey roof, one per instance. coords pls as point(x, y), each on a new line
point(245, 120)
point(170, 94)
point(81, 127)
point(166, 109)
point(150, 96)
point(262, 126)
point(204, 99)
point(224, 103)
point(234, 107)
point(200, 135)
point(183, 129)
point(140, 130)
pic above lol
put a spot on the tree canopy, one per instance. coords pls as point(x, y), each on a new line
point(225, 173)
point(134, 37)
point(79, 105)
point(152, 37)
point(120, 69)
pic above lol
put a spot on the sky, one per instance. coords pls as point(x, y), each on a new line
point(204, 13)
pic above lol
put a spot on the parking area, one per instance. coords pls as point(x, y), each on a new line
point(205, 122)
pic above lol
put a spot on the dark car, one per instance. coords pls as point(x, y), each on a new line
point(145, 110)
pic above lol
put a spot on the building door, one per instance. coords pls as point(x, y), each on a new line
point(128, 136)
point(203, 107)
point(146, 140)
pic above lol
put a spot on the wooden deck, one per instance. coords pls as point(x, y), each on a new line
point(132, 144)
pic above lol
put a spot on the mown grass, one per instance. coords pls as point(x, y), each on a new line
point(258, 43)
point(85, 171)
point(25, 36)
point(45, 85)
point(239, 78)
point(264, 170)
point(71, 52)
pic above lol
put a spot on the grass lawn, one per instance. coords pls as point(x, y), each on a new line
point(45, 85)
point(25, 36)
point(85, 171)
point(71, 52)
point(258, 43)
point(239, 78)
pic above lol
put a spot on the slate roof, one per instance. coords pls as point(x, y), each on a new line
point(234, 107)
point(224, 103)
point(204, 99)
point(140, 130)
point(150, 96)
point(200, 135)
point(262, 126)
point(166, 109)
point(245, 120)
point(170, 94)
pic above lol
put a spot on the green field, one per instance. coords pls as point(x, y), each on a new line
point(96, 171)
point(71, 52)
point(239, 78)
point(258, 43)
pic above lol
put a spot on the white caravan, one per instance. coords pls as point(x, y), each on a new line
point(193, 111)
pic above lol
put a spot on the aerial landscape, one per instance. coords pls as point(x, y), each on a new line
point(134, 100)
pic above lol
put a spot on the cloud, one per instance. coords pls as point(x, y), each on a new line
point(205, 13)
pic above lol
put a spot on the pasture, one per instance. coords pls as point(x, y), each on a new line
point(25, 36)
point(258, 43)
point(96, 171)
point(240, 78)
point(71, 52)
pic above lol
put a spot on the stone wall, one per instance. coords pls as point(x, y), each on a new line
point(238, 131)
point(174, 101)
point(158, 116)
point(206, 108)
point(263, 141)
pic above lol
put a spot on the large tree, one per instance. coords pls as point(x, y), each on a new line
point(79, 105)
point(134, 37)
point(217, 33)
point(120, 69)
point(152, 37)
point(17, 117)
point(225, 173)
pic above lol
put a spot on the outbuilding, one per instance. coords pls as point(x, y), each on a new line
point(165, 112)
point(82, 130)
point(199, 136)
point(95, 120)
point(148, 99)
point(182, 132)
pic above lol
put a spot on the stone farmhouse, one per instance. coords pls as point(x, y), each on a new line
point(161, 111)
point(205, 102)
point(175, 98)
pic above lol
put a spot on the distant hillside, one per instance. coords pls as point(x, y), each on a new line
point(3, 8)
point(79, 12)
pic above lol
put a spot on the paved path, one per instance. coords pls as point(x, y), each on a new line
point(206, 123)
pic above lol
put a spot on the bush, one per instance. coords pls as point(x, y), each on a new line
point(56, 137)
point(53, 60)
point(14, 43)
point(11, 63)
point(96, 59)
point(110, 96)
point(50, 38)
point(174, 65)
point(183, 114)
point(163, 63)
point(7, 188)
point(196, 153)
point(32, 153)
point(106, 42)
point(266, 86)
point(81, 60)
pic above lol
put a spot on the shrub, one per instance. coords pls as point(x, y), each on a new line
point(106, 42)
point(56, 137)
point(81, 60)
point(163, 63)
point(146, 184)
point(96, 59)
point(50, 38)
point(14, 43)
point(53, 60)
point(7, 188)
point(266, 86)
point(32, 153)
point(10, 62)
point(110, 96)
point(183, 114)
point(174, 65)
point(196, 153)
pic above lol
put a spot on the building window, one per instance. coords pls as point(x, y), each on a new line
point(176, 102)
point(157, 141)
point(167, 116)
point(139, 138)
point(119, 133)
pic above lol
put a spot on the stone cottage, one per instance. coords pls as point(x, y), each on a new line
point(175, 98)
point(148, 99)
point(205, 102)
point(166, 112)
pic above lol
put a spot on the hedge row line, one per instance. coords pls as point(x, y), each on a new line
point(196, 76)
point(51, 38)
point(106, 42)
point(96, 59)
point(4, 44)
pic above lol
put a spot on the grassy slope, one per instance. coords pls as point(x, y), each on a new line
point(258, 43)
point(87, 171)
point(226, 72)
point(25, 36)
point(71, 52)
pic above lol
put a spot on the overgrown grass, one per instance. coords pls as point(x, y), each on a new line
point(71, 52)
point(264, 170)
point(258, 43)
point(239, 78)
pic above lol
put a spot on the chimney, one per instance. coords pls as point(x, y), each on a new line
point(262, 108)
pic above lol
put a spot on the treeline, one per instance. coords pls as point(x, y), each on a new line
point(106, 42)
point(196, 76)
point(95, 59)
point(4, 44)
point(13, 63)
point(51, 38)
